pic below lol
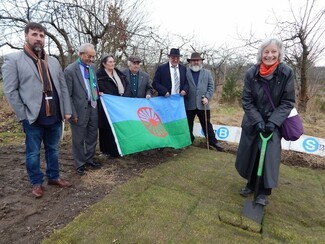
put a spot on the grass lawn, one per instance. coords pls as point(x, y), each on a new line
point(194, 198)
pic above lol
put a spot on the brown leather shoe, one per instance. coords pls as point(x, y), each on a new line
point(37, 191)
point(60, 182)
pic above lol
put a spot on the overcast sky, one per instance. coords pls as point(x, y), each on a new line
point(218, 22)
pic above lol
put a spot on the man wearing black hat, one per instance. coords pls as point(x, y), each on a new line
point(139, 80)
point(170, 78)
point(201, 89)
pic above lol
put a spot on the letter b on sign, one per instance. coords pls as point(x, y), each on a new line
point(222, 132)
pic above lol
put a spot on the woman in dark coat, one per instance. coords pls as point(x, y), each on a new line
point(261, 117)
point(114, 82)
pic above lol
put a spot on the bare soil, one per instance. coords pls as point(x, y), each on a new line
point(25, 219)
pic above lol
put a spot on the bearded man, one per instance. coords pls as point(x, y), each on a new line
point(201, 89)
point(34, 85)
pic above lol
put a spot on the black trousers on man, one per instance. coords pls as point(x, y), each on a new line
point(200, 113)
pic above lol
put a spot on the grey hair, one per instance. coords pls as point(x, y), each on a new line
point(265, 43)
point(85, 46)
point(104, 58)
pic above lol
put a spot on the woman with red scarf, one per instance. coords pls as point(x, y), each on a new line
point(261, 117)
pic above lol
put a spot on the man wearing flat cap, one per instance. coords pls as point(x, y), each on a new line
point(139, 80)
point(170, 78)
point(201, 89)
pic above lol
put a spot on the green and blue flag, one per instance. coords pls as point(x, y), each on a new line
point(140, 124)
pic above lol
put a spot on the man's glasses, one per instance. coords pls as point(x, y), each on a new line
point(89, 56)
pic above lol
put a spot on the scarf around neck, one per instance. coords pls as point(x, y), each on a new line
point(119, 84)
point(117, 80)
point(89, 75)
point(45, 77)
point(267, 71)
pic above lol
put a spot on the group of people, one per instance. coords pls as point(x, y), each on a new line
point(43, 95)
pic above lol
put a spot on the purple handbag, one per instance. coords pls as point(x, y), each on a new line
point(292, 128)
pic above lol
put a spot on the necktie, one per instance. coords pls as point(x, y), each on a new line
point(93, 87)
point(89, 75)
point(176, 80)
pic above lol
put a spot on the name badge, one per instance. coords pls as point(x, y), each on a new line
point(48, 98)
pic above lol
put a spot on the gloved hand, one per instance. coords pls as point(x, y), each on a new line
point(269, 127)
point(260, 126)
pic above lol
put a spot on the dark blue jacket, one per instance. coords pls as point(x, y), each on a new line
point(162, 81)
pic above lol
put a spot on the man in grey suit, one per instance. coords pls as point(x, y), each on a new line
point(139, 81)
point(201, 89)
point(82, 85)
point(34, 85)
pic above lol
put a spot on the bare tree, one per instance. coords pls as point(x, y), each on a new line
point(109, 25)
point(305, 43)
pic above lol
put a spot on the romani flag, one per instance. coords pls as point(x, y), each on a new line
point(140, 124)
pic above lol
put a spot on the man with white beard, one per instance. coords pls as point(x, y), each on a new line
point(201, 89)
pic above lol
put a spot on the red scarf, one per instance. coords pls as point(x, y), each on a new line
point(267, 70)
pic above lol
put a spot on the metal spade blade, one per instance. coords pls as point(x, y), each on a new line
point(253, 211)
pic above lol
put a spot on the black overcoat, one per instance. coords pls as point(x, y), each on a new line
point(257, 107)
point(108, 86)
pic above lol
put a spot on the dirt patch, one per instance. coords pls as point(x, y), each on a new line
point(303, 160)
point(24, 219)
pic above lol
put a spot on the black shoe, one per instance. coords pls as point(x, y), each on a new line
point(245, 192)
point(93, 165)
point(262, 199)
point(81, 170)
point(218, 146)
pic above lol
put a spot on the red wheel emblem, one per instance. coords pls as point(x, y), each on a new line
point(151, 121)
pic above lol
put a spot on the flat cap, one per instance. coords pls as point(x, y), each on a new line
point(134, 58)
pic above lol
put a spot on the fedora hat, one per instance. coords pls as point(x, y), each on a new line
point(195, 56)
point(134, 59)
point(174, 52)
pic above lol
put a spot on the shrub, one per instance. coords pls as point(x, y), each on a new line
point(231, 93)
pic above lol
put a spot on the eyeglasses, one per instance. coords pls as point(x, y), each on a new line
point(136, 63)
point(89, 56)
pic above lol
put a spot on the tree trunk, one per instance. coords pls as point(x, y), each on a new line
point(303, 96)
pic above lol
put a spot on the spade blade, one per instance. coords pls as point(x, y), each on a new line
point(253, 211)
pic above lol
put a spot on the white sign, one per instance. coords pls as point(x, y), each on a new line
point(305, 144)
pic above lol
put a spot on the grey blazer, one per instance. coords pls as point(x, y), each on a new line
point(78, 91)
point(144, 85)
point(205, 87)
point(23, 88)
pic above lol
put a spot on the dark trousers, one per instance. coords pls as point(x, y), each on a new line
point(252, 181)
point(84, 137)
point(200, 113)
point(107, 144)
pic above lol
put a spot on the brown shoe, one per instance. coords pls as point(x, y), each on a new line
point(60, 182)
point(37, 191)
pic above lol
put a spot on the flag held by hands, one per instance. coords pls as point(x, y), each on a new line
point(140, 124)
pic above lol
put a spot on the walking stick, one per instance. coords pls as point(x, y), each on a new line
point(206, 124)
